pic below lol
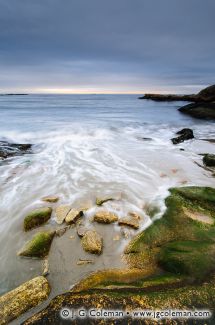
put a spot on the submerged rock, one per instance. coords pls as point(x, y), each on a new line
point(37, 218)
point(184, 134)
point(73, 215)
point(39, 245)
point(105, 217)
point(51, 199)
point(45, 267)
point(92, 242)
point(81, 229)
point(60, 232)
point(26, 296)
point(209, 160)
point(61, 213)
point(8, 150)
point(100, 201)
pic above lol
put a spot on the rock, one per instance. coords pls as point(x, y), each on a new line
point(184, 134)
point(209, 160)
point(84, 262)
point(134, 215)
point(92, 242)
point(45, 267)
point(18, 301)
point(100, 201)
point(81, 229)
point(8, 150)
point(51, 199)
point(73, 216)
point(61, 232)
point(39, 245)
point(207, 94)
point(61, 213)
point(199, 110)
point(169, 97)
point(37, 218)
point(105, 217)
point(129, 222)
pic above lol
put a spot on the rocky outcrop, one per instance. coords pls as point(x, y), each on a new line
point(37, 218)
point(209, 160)
point(184, 134)
point(200, 110)
point(105, 217)
point(205, 95)
point(26, 296)
point(92, 242)
point(170, 98)
point(8, 150)
point(39, 245)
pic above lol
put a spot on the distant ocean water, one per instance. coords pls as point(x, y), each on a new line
point(87, 146)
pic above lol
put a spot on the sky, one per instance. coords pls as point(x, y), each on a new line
point(106, 46)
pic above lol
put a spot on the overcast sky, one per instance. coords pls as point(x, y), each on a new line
point(107, 45)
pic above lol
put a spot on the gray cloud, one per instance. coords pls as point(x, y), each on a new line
point(123, 45)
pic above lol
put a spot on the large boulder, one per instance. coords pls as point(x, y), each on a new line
point(200, 110)
point(26, 296)
point(39, 245)
point(37, 218)
point(92, 242)
point(183, 135)
point(73, 216)
point(8, 150)
point(61, 213)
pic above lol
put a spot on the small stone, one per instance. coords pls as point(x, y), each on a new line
point(61, 213)
point(83, 262)
point(134, 215)
point(92, 242)
point(37, 218)
point(72, 237)
point(61, 232)
point(129, 222)
point(100, 201)
point(105, 217)
point(117, 237)
point(51, 199)
point(81, 229)
point(73, 216)
point(45, 267)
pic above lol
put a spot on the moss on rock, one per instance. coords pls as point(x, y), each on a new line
point(37, 218)
point(38, 246)
point(23, 298)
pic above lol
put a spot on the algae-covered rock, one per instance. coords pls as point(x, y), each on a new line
point(37, 218)
point(105, 217)
point(100, 201)
point(51, 199)
point(92, 242)
point(61, 213)
point(39, 245)
point(73, 215)
point(209, 160)
point(26, 296)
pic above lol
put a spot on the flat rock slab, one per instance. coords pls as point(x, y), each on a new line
point(92, 242)
point(73, 216)
point(61, 213)
point(129, 222)
point(51, 199)
point(26, 296)
point(105, 217)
